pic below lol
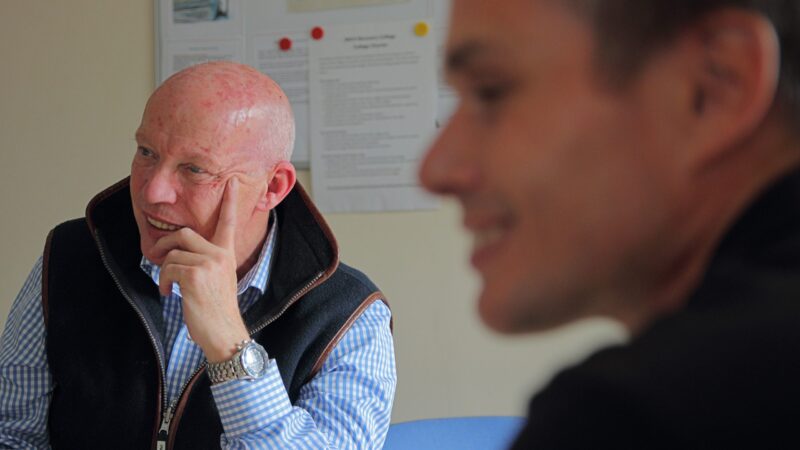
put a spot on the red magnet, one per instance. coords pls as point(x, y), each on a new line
point(317, 33)
point(285, 44)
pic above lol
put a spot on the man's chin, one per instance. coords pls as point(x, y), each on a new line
point(506, 313)
point(153, 258)
point(496, 313)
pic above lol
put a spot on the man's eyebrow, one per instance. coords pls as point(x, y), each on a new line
point(462, 55)
point(138, 136)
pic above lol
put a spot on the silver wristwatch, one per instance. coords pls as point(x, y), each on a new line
point(248, 363)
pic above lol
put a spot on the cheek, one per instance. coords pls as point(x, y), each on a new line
point(137, 175)
point(201, 204)
point(138, 181)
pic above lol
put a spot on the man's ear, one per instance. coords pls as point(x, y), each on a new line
point(735, 83)
point(279, 184)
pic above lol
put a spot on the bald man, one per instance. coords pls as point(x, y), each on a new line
point(200, 303)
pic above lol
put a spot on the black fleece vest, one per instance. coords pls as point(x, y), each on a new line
point(105, 329)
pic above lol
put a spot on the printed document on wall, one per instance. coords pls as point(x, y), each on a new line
point(372, 92)
point(196, 31)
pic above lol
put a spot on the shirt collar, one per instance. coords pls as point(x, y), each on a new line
point(255, 278)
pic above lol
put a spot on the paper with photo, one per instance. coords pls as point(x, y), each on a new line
point(200, 19)
point(372, 91)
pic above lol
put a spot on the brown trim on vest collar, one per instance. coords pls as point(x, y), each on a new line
point(323, 225)
point(378, 295)
point(46, 274)
point(108, 192)
point(329, 271)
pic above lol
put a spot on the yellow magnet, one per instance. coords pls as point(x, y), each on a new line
point(421, 29)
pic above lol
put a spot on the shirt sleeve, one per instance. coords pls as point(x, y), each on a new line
point(25, 381)
point(347, 405)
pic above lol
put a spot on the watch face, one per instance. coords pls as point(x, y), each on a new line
point(254, 361)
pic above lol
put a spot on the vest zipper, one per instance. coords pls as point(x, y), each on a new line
point(163, 431)
point(174, 417)
point(286, 306)
point(162, 379)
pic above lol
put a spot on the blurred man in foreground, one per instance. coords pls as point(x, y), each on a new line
point(637, 159)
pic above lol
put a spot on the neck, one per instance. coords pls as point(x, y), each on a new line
point(714, 198)
point(248, 258)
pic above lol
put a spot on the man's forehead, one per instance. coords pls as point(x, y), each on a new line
point(164, 140)
point(479, 28)
point(183, 125)
point(214, 152)
point(481, 31)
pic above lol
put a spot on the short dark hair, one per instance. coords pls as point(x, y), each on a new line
point(629, 31)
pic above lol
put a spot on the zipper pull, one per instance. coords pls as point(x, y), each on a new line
point(163, 432)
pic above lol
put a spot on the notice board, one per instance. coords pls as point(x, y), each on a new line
point(363, 77)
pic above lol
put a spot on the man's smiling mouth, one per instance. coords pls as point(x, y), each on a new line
point(162, 225)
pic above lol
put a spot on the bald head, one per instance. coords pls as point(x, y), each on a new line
point(203, 128)
point(231, 106)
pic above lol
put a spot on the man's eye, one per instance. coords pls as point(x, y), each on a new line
point(146, 152)
point(487, 98)
point(195, 170)
point(492, 93)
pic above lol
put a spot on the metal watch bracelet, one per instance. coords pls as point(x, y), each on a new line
point(230, 369)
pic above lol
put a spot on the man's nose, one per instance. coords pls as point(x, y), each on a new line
point(449, 166)
point(160, 187)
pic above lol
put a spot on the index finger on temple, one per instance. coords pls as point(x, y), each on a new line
point(226, 224)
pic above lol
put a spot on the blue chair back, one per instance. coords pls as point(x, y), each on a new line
point(462, 433)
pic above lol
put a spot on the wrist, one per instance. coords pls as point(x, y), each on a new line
point(225, 348)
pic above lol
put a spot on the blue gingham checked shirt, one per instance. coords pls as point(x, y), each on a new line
point(347, 405)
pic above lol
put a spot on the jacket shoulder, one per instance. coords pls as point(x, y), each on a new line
point(353, 275)
point(68, 239)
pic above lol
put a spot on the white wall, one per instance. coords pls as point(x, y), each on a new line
point(74, 79)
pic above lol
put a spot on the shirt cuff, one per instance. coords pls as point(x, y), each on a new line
point(249, 405)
